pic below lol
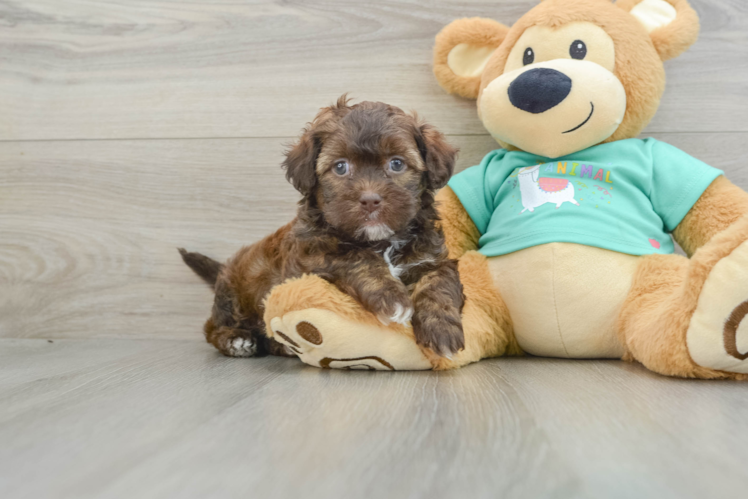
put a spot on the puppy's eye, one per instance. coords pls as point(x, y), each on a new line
point(578, 50)
point(397, 165)
point(341, 168)
point(529, 56)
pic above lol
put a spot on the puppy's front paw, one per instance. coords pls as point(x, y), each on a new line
point(390, 303)
point(402, 314)
point(441, 333)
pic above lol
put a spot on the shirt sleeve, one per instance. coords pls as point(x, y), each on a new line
point(678, 181)
point(472, 189)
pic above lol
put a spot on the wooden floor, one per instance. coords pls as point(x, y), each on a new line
point(132, 418)
point(131, 127)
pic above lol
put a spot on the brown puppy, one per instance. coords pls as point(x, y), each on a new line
point(366, 223)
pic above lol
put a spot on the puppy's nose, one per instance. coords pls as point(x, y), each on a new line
point(538, 90)
point(370, 201)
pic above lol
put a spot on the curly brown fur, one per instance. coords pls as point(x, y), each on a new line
point(366, 223)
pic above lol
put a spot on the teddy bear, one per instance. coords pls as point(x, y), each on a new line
point(563, 236)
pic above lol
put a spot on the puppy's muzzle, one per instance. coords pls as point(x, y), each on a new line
point(370, 202)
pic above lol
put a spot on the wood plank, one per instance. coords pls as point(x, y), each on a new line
point(637, 434)
point(161, 69)
point(97, 224)
point(90, 228)
point(126, 418)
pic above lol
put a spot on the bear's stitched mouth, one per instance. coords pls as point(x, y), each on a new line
point(584, 122)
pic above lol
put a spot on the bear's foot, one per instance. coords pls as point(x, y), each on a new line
point(323, 338)
point(717, 336)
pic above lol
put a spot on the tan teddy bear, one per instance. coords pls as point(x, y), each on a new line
point(563, 235)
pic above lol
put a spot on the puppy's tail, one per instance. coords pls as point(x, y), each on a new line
point(205, 267)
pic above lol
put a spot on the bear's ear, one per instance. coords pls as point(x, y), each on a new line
point(461, 52)
point(672, 24)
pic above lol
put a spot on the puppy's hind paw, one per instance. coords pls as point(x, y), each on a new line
point(239, 347)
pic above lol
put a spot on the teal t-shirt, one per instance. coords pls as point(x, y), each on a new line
point(624, 196)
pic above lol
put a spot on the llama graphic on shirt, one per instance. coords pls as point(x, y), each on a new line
point(537, 191)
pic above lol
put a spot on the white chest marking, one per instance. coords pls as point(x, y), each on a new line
point(395, 271)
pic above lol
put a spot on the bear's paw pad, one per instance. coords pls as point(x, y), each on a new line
point(717, 336)
point(325, 339)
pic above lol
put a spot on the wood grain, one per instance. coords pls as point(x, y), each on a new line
point(90, 228)
point(108, 418)
point(131, 127)
point(160, 69)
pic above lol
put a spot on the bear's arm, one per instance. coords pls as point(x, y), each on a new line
point(460, 233)
point(719, 206)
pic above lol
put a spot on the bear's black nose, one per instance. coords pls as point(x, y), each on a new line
point(538, 90)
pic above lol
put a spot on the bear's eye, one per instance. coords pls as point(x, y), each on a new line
point(341, 167)
point(528, 57)
point(578, 50)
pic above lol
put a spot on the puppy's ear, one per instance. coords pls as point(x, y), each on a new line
point(438, 156)
point(301, 161)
